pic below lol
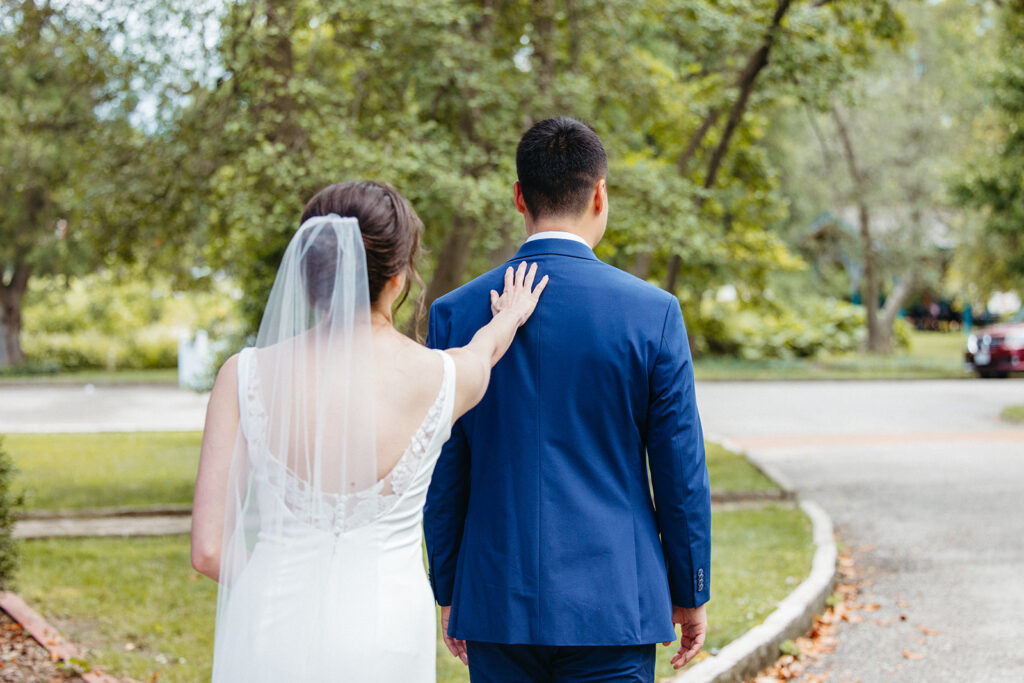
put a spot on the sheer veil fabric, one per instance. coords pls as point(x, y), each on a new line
point(304, 485)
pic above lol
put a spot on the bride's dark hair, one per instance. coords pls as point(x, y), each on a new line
point(390, 227)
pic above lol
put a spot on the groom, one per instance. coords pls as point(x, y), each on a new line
point(548, 555)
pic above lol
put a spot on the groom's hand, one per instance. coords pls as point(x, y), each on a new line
point(693, 622)
point(458, 647)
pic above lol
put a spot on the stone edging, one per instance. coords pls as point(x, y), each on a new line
point(93, 513)
point(48, 637)
point(757, 648)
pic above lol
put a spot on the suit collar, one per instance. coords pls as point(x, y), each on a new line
point(554, 246)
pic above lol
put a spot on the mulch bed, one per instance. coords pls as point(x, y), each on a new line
point(22, 659)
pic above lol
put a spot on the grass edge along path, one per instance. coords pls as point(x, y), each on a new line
point(1013, 414)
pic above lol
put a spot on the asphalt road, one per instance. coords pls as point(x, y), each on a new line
point(927, 485)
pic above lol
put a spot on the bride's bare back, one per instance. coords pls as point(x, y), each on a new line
point(408, 378)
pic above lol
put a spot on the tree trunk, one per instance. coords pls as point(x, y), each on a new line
point(642, 265)
point(747, 78)
point(894, 303)
point(879, 339)
point(451, 262)
point(11, 294)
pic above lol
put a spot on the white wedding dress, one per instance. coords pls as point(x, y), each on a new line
point(337, 590)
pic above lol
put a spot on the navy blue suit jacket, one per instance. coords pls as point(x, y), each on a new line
point(540, 524)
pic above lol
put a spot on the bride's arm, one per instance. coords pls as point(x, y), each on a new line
point(214, 462)
point(473, 362)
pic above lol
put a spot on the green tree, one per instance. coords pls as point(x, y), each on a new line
point(63, 116)
point(990, 182)
point(880, 155)
point(433, 96)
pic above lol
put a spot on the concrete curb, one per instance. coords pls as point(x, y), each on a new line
point(93, 513)
point(759, 647)
point(48, 637)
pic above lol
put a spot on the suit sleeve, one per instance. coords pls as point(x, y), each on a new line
point(679, 475)
point(444, 513)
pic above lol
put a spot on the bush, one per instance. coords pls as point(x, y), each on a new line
point(91, 349)
point(772, 330)
point(8, 501)
point(106, 321)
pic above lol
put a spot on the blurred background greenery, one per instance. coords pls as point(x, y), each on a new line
point(805, 175)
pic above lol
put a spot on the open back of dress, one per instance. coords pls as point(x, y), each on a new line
point(321, 558)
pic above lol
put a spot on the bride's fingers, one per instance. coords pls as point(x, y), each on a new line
point(520, 273)
point(509, 279)
point(494, 299)
point(530, 274)
point(540, 286)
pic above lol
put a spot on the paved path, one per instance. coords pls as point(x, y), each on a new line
point(927, 484)
point(100, 408)
point(148, 525)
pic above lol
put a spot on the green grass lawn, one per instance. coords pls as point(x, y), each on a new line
point(730, 471)
point(932, 355)
point(31, 376)
point(1013, 414)
point(68, 471)
point(74, 471)
point(107, 593)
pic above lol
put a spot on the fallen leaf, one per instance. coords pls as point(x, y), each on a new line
point(909, 654)
point(882, 622)
point(903, 603)
point(873, 607)
point(929, 631)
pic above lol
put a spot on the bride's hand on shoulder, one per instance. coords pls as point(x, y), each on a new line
point(519, 297)
point(510, 310)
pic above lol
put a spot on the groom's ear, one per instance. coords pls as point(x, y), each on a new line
point(517, 197)
point(600, 197)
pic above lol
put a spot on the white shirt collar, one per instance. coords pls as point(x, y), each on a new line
point(556, 235)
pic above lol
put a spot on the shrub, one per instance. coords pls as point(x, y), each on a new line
point(771, 330)
point(91, 349)
point(126, 321)
point(8, 501)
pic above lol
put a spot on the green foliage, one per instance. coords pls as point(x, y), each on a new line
point(990, 181)
point(775, 330)
point(9, 500)
point(113, 321)
point(65, 140)
point(432, 96)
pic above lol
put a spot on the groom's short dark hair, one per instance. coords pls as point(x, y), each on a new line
point(558, 162)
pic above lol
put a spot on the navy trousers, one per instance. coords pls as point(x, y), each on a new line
point(498, 663)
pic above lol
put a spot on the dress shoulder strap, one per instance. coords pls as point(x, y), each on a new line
point(246, 362)
point(447, 389)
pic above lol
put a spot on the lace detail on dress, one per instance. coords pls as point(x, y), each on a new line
point(335, 512)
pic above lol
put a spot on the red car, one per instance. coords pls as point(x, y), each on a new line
point(998, 350)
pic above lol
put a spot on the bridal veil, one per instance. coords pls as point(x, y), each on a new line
point(304, 484)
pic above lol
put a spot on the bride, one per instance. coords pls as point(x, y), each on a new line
point(318, 448)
